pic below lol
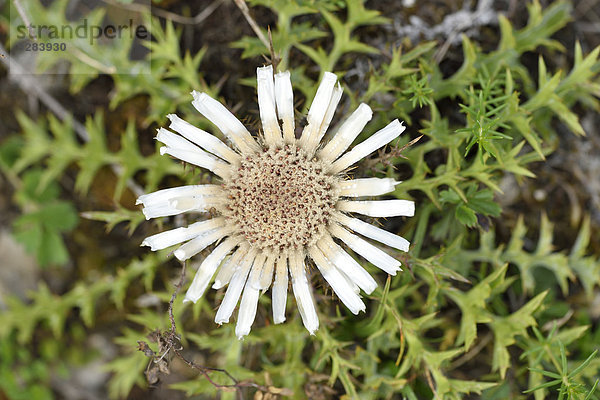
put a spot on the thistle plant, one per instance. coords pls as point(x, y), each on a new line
point(282, 199)
point(280, 211)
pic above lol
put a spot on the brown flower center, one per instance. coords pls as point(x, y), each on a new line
point(280, 198)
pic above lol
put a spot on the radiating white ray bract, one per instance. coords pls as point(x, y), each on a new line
point(380, 208)
point(280, 289)
point(325, 98)
point(175, 236)
point(247, 311)
point(198, 159)
point(257, 268)
point(284, 98)
point(228, 267)
point(232, 295)
point(367, 187)
point(265, 88)
point(199, 243)
point(181, 148)
point(303, 292)
point(208, 267)
point(375, 142)
point(216, 113)
point(267, 183)
point(338, 282)
point(203, 139)
point(349, 130)
point(180, 199)
point(165, 195)
point(374, 255)
point(373, 232)
point(266, 274)
point(346, 264)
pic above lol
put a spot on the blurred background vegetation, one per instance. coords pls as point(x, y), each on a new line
point(500, 296)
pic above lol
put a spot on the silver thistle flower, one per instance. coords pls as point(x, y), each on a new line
point(282, 200)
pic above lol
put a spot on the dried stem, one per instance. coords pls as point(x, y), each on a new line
point(180, 19)
point(472, 352)
point(275, 59)
point(25, 18)
point(387, 158)
point(246, 12)
point(431, 384)
point(173, 341)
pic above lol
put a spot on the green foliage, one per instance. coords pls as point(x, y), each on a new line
point(21, 376)
point(288, 33)
point(478, 202)
point(46, 310)
point(89, 157)
point(128, 370)
point(50, 310)
point(542, 350)
point(569, 385)
point(483, 114)
point(563, 267)
point(46, 217)
point(419, 91)
point(285, 34)
point(467, 317)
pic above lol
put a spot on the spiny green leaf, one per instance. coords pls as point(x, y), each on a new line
point(507, 328)
point(127, 372)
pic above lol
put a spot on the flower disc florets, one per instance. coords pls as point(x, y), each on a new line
point(280, 198)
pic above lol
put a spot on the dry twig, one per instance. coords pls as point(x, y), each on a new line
point(171, 341)
point(386, 158)
point(25, 18)
point(180, 19)
point(246, 12)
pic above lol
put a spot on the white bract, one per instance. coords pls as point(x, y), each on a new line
point(282, 201)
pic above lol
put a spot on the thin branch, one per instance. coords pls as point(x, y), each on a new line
point(178, 287)
point(246, 12)
point(472, 352)
point(431, 384)
point(29, 84)
point(84, 58)
point(275, 59)
point(173, 341)
point(180, 19)
point(441, 52)
point(25, 18)
point(548, 326)
point(386, 158)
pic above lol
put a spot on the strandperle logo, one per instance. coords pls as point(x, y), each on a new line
point(82, 30)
